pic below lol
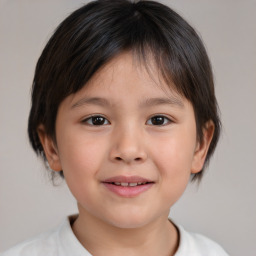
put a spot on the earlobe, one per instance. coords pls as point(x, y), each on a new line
point(50, 149)
point(202, 147)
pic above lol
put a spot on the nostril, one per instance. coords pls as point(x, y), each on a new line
point(120, 159)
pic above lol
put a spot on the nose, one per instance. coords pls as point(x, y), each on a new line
point(128, 147)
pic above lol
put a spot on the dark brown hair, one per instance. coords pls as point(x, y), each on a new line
point(96, 33)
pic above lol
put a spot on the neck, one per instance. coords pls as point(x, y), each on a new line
point(160, 237)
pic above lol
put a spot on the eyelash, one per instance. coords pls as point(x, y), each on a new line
point(89, 120)
point(86, 121)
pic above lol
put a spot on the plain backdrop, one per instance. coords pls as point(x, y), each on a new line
point(223, 207)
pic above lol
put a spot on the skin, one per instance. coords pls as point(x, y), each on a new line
point(127, 143)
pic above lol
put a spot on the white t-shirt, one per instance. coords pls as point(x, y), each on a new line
point(63, 242)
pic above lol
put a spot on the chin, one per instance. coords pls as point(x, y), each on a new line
point(128, 220)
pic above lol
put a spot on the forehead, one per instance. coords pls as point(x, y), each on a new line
point(128, 75)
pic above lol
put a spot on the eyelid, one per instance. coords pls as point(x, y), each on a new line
point(84, 120)
point(170, 120)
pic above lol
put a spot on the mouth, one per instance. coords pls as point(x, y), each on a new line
point(128, 186)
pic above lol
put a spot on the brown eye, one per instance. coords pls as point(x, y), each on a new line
point(158, 120)
point(96, 120)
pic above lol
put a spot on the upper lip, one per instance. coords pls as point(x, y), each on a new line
point(127, 179)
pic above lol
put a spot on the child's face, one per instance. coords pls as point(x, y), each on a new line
point(142, 133)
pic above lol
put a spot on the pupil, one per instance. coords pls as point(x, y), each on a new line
point(98, 120)
point(157, 120)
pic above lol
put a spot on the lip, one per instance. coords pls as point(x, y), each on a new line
point(127, 191)
point(128, 179)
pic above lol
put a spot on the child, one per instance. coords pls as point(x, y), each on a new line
point(123, 108)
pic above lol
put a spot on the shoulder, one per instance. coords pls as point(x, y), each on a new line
point(58, 242)
point(194, 244)
point(44, 244)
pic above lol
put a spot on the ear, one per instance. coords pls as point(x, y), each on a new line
point(50, 149)
point(202, 147)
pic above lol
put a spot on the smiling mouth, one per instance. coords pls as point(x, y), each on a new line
point(128, 187)
point(129, 184)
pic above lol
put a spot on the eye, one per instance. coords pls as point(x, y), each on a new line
point(158, 120)
point(96, 120)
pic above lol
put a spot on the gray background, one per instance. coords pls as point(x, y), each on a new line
point(223, 207)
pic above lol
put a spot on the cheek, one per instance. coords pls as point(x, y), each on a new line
point(81, 159)
point(173, 157)
point(174, 154)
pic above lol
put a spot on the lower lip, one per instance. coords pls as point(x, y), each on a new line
point(128, 191)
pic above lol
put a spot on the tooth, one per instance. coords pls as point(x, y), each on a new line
point(133, 184)
point(117, 183)
point(124, 184)
point(139, 183)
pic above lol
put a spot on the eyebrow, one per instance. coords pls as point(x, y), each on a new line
point(148, 102)
point(92, 101)
point(162, 101)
